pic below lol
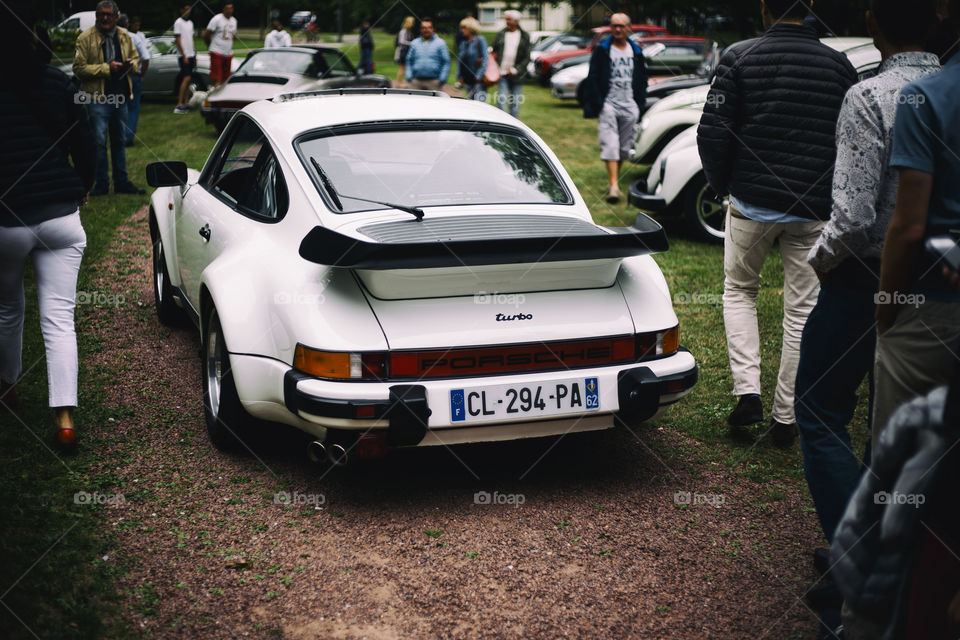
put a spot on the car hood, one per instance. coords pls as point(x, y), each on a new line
point(693, 97)
point(573, 74)
point(260, 86)
point(483, 303)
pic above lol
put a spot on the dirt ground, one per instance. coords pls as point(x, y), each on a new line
point(585, 536)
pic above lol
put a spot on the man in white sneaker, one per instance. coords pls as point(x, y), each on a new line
point(613, 91)
point(183, 36)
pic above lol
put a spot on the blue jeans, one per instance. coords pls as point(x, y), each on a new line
point(133, 109)
point(476, 91)
point(510, 93)
point(836, 353)
point(112, 117)
point(366, 60)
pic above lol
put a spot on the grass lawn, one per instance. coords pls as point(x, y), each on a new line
point(51, 547)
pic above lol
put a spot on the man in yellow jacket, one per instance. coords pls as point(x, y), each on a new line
point(103, 62)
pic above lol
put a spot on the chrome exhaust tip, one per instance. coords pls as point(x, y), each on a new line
point(337, 455)
point(317, 452)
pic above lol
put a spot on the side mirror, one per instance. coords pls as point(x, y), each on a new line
point(167, 174)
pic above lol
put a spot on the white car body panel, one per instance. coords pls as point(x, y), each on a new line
point(668, 117)
point(564, 83)
point(671, 115)
point(684, 163)
point(270, 299)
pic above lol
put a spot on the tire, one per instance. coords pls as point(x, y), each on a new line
point(704, 211)
point(167, 310)
point(227, 421)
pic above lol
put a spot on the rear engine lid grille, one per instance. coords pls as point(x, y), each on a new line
point(480, 227)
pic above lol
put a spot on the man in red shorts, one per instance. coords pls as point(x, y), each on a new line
point(219, 36)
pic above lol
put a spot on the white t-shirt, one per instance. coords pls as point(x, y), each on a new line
point(621, 77)
point(184, 29)
point(143, 49)
point(224, 31)
point(276, 39)
point(511, 42)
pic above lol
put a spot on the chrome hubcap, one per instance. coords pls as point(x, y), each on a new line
point(158, 277)
point(214, 365)
point(711, 211)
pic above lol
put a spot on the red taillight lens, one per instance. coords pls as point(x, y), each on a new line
point(513, 359)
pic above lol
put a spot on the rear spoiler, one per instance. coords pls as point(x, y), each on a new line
point(325, 246)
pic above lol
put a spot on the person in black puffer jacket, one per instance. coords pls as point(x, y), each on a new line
point(44, 125)
point(767, 139)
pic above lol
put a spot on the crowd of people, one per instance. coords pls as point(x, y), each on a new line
point(849, 178)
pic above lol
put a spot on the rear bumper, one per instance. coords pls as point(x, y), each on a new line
point(640, 198)
point(419, 414)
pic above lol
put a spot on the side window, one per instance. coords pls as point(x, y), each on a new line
point(248, 177)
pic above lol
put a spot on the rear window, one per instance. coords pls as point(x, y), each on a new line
point(430, 165)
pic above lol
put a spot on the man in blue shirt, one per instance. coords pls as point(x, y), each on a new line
point(428, 60)
point(918, 313)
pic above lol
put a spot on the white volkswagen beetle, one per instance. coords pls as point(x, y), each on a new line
point(389, 268)
point(667, 137)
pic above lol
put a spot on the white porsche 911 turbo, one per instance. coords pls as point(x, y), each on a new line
point(390, 268)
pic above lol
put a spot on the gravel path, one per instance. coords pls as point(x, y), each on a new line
point(588, 541)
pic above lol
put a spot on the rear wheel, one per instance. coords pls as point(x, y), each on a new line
point(704, 210)
point(227, 420)
point(167, 310)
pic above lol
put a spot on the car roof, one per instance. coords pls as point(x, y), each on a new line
point(285, 118)
point(666, 38)
point(845, 44)
point(307, 48)
point(633, 27)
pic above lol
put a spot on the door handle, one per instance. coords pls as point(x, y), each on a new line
point(205, 232)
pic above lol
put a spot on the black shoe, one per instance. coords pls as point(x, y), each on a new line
point(821, 561)
point(100, 189)
point(783, 435)
point(749, 410)
point(128, 187)
point(824, 596)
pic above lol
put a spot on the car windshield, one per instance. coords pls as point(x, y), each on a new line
point(161, 46)
point(440, 165)
point(300, 62)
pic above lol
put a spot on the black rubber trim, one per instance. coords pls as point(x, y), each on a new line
point(408, 414)
point(406, 409)
point(639, 390)
point(325, 246)
point(296, 401)
point(639, 198)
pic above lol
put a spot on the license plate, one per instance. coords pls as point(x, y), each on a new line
point(505, 401)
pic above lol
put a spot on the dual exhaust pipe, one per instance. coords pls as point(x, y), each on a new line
point(334, 455)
